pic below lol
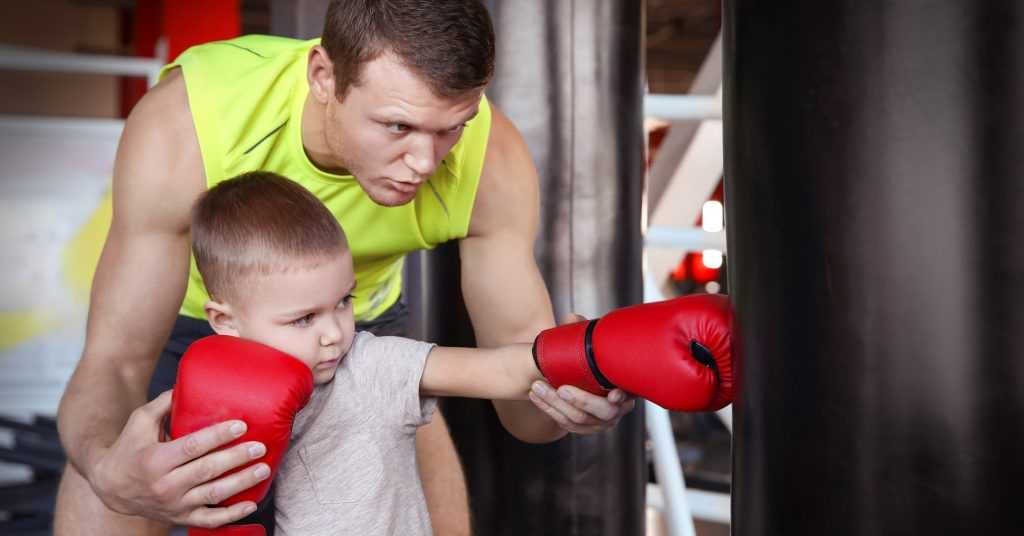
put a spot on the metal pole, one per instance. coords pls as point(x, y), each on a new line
point(29, 59)
point(669, 471)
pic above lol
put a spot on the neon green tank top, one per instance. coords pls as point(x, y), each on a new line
point(247, 95)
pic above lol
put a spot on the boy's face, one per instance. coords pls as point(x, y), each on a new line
point(305, 312)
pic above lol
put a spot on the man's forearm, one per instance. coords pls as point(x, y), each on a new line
point(96, 404)
point(526, 422)
point(522, 418)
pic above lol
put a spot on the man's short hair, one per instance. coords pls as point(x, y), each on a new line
point(259, 223)
point(449, 44)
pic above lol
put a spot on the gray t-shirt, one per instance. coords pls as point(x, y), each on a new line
point(351, 466)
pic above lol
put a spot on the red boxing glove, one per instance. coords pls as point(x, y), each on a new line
point(222, 378)
point(675, 353)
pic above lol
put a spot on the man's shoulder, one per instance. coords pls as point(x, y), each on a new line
point(507, 199)
point(247, 47)
point(240, 67)
point(159, 137)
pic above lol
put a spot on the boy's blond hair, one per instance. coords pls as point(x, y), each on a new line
point(259, 223)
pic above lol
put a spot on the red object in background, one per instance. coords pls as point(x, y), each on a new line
point(692, 264)
point(692, 267)
point(681, 272)
point(699, 273)
point(656, 132)
point(183, 23)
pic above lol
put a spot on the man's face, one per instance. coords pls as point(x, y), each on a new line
point(391, 131)
point(305, 312)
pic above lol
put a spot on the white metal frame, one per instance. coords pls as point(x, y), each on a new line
point(34, 59)
point(679, 239)
point(690, 175)
point(683, 107)
point(679, 505)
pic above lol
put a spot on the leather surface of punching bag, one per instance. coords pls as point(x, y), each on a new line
point(874, 191)
point(569, 75)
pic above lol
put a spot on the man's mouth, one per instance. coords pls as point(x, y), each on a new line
point(404, 187)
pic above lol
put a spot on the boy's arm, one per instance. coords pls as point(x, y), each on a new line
point(503, 373)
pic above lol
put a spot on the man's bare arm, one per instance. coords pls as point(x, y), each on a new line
point(139, 282)
point(505, 293)
point(109, 433)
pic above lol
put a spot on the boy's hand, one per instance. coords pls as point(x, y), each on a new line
point(576, 410)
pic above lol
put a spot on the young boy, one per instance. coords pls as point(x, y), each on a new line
point(279, 272)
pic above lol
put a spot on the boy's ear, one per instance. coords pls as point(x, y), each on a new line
point(320, 74)
point(221, 318)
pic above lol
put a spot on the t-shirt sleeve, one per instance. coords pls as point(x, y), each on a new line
point(391, 368)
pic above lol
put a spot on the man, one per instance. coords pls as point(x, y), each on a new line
point(384, 122)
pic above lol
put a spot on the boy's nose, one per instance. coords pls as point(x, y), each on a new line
point(331, 334)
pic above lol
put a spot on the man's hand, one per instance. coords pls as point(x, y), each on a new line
point(174, 481)
point(576, 410)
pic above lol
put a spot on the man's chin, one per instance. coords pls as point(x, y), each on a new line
point(391, 198)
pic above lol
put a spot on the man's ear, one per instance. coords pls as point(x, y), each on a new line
point(320, 73)
point(221, 318)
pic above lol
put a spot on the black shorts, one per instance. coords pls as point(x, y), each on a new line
point(393, 321)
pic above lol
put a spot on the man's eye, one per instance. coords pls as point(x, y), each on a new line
point(304, 321)
point(397, 128)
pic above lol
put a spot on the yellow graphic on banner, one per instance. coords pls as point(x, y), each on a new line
point(19, 326)
point(79, 259)
point(82, 253)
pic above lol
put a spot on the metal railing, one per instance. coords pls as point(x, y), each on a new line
point(34, 59)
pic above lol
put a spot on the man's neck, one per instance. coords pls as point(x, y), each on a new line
point(313, 141)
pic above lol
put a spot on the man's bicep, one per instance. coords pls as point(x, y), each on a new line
point(141, 277)
point(140, 280)
point(137, 291)
point(504, 291)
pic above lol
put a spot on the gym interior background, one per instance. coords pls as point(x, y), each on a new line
point(57, 203)
point(872, 209)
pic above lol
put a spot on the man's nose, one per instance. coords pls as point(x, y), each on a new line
point(420, 157)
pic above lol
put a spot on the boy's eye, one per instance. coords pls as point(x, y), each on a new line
point(303, 321)
point(346, 301)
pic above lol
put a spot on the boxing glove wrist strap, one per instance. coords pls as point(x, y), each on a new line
point(588, 352)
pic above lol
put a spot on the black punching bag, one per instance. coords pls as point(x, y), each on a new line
point(570, 75)
point(875, 196)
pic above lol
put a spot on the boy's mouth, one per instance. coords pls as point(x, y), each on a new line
point(329, 363)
